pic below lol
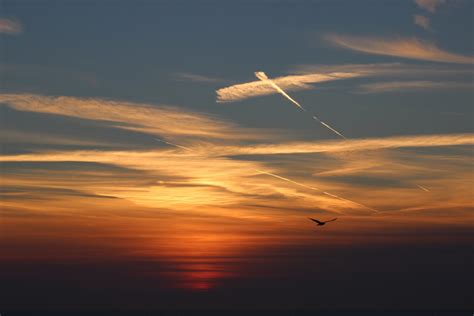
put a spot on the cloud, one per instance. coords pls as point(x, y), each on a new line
point(247, 90)
point(412, 86)
point(197, 78)
point(10, 27)
point(304, 76)
point(160, 120)
point(361, 69)
point(218, 175)
point(408, 77)
point(184, 180)
point(349, 145)
point(387, 69)
point(412, 48)
point(429, 5)
point(369, 171)
point(422, 21)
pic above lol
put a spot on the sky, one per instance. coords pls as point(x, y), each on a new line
point(144, 162)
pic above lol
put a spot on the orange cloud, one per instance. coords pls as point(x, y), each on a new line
point(349, 145)
point(392, 86)
point(422, 21)
point(429, 5)
point(204, 177)
point(247, 90)
point(159, 120)
point(412, 48)
point(11, 27)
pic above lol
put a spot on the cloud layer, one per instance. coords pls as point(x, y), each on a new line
point(156, 120)
point(216, 175)
point(412, 48)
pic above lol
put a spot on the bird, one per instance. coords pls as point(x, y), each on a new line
point(321, 223)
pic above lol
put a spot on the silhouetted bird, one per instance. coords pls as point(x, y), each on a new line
point(320, 223)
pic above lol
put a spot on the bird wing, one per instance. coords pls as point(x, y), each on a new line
point(315, 220)
point(331, 220)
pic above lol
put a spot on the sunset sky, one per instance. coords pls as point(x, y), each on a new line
point(144, 163)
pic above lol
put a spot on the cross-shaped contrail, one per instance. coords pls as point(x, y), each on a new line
point(262, 76)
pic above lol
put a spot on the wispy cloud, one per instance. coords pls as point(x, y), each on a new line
point(349, 145)
point(387, 69)
point(429, 5)
point(412, 48)
point(156, 120)
point(422, 21)
point(412, 86)
point(185, 180)
point(186, 76)
point(11, 27)
point(247, 90)
point(216, 172)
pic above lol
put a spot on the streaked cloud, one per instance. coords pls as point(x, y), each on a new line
point(217, 173)
point(10, 27)
point(184, 181)
point(186, 76)
point(422, 21)
point(212, 175)
point(247, 90)
point(429, 5)
point(387, 69)
point(157, 120)
point(412, 86)
point(349, 145)
point(412, 48)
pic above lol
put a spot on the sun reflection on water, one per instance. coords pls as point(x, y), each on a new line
point(201, 262)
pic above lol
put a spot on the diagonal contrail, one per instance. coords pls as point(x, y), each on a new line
point(316, 189)
point(175, 145)
point(327, 125)
point(262, 76)
point(286, 179)
point(423, 188)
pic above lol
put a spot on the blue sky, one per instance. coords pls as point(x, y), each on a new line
point(134, 51)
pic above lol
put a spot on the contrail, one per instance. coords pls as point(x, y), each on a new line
point(423, 188)
point(171, 144)
point(262, 76)
point(327, 125)
point(286, 179)
point(315, 189)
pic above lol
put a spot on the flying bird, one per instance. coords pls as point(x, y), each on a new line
point(321, 223)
